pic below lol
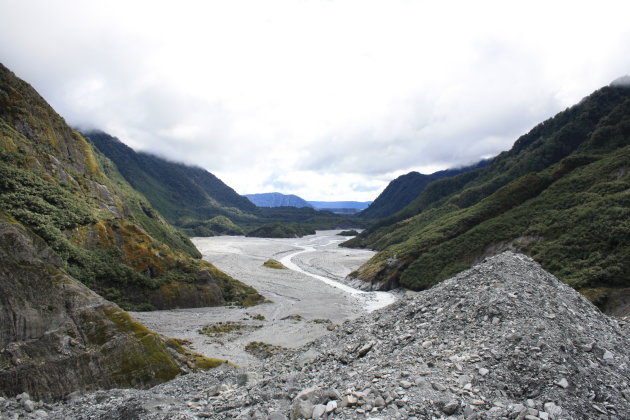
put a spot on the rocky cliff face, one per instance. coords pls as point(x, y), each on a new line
point(57, 336)
point(504, 339)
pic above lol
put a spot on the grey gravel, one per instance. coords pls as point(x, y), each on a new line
point(495, 317)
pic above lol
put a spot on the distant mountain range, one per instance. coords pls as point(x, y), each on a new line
point(199, 203)
point(341, 206)
point(275, 199)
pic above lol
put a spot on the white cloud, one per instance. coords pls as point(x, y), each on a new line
point(325, 99)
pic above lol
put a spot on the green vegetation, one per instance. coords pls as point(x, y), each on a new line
point(200, 204)
point(348, 233)
point(228, 327)
point(134, 365)
point(149, 356)
point(271, 263)
point(404, 189)
point(321, 321)
point(222, 328)
point(103, 337)
point(561, 195)
point(296, 222)
point(144, 213)
point(281, 230)
point(106, 234)
point(218, 225)
point(178, 191)
point(204, 363)
point(263, 350)
point(295, 317)
point(181, 341)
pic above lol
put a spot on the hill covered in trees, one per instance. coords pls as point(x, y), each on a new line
point(561, 195)
point(107, 234)
point(404, 189)
point(178, 191)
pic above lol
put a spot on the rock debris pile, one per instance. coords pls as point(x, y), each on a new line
point(504, 339)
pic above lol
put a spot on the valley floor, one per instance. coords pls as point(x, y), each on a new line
point(305, 300)
point(503, 340)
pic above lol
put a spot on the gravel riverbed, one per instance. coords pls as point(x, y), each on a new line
point(305, 301)
point(503, 340)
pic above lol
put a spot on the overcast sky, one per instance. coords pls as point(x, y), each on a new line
point(329, 100)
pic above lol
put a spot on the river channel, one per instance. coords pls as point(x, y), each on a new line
point(305, 300)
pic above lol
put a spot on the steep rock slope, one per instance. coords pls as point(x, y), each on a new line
point(561, 195)
point(275, 199)
point(503, 340)
point(107, 234)
point(57, 336)
point(404, 189)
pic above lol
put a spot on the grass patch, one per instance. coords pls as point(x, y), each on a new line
point(222, 328)
point(205, 363)
point(263, 350)
point(182, 341)
point(271, 263)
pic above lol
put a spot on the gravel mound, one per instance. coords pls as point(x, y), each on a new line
point(504, 339)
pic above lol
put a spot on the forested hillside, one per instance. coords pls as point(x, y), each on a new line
point(106, 233)
point(178, 191)
point(404, 189)
point(200, 204)
point(561, 195)
point(275, 199)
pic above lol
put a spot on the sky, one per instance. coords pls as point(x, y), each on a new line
point(326, 99)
